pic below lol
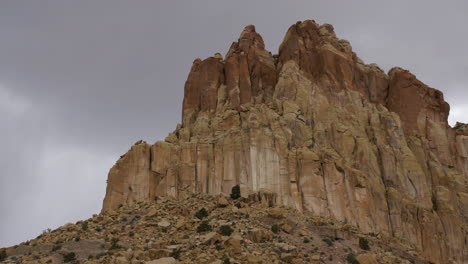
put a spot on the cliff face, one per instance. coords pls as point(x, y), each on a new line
point(316, 129)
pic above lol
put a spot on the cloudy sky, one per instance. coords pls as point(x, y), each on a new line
point(81, 81)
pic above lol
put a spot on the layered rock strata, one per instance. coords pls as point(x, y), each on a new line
point(321, 131)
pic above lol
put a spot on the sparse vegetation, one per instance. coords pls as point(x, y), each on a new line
point(175, 253)
point(275, 228)
point(226, 230)
point(202, 213)
point(351, 258)
point(114, 244)
point(225, 260)
point(84, 226)
point(235, 192)
point(3, 255)
point(364, 243)
point(57, 247)
point(204, 227)
point(328, 241)
point(69, 257)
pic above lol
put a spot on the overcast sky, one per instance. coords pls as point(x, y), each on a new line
point(81, 81)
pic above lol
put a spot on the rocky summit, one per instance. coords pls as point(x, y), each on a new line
point(320, 146)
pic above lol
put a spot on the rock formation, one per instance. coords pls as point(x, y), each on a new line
point(315, 129)
point(200, 228)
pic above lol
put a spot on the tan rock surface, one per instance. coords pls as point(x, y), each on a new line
point(314, 129)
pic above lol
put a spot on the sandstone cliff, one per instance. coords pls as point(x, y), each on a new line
point(318, 130)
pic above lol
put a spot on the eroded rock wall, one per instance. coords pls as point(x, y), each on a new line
point(320, 130)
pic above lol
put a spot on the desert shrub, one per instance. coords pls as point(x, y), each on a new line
point(225, 260)
point(363, 243)
point(202, 213)
point(225, 230)
point(235, 192)
point(84, 226)
point(204, 227)
point(69, 257)
point(275, 228)
point(3, 255)
point(351, 258)
point(175, 253)
point(114, 243)
point(328, 241)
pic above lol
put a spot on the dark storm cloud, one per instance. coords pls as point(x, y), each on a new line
point(82, 80)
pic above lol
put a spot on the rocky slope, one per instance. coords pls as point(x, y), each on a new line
point(315, 129)
point(209, 229)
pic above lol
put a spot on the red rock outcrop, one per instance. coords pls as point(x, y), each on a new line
point(319, 131)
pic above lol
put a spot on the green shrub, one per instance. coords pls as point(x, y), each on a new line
point(328, 241)
point(363, 243)
point(69, 257)
point(275, 228)
point(3, 255)
point(226, 230)
point(235, 192)
point(84, 226)
point(204, 227)
point(202, 213)
point(114, 243)
point(219, 247)
point(57, 247)
point(175, 254)
point(351, 258)
point(225, 260)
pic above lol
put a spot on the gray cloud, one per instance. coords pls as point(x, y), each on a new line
point(80, 81)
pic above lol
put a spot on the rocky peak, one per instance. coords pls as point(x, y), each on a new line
point(318, 130)
point(461, 128)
